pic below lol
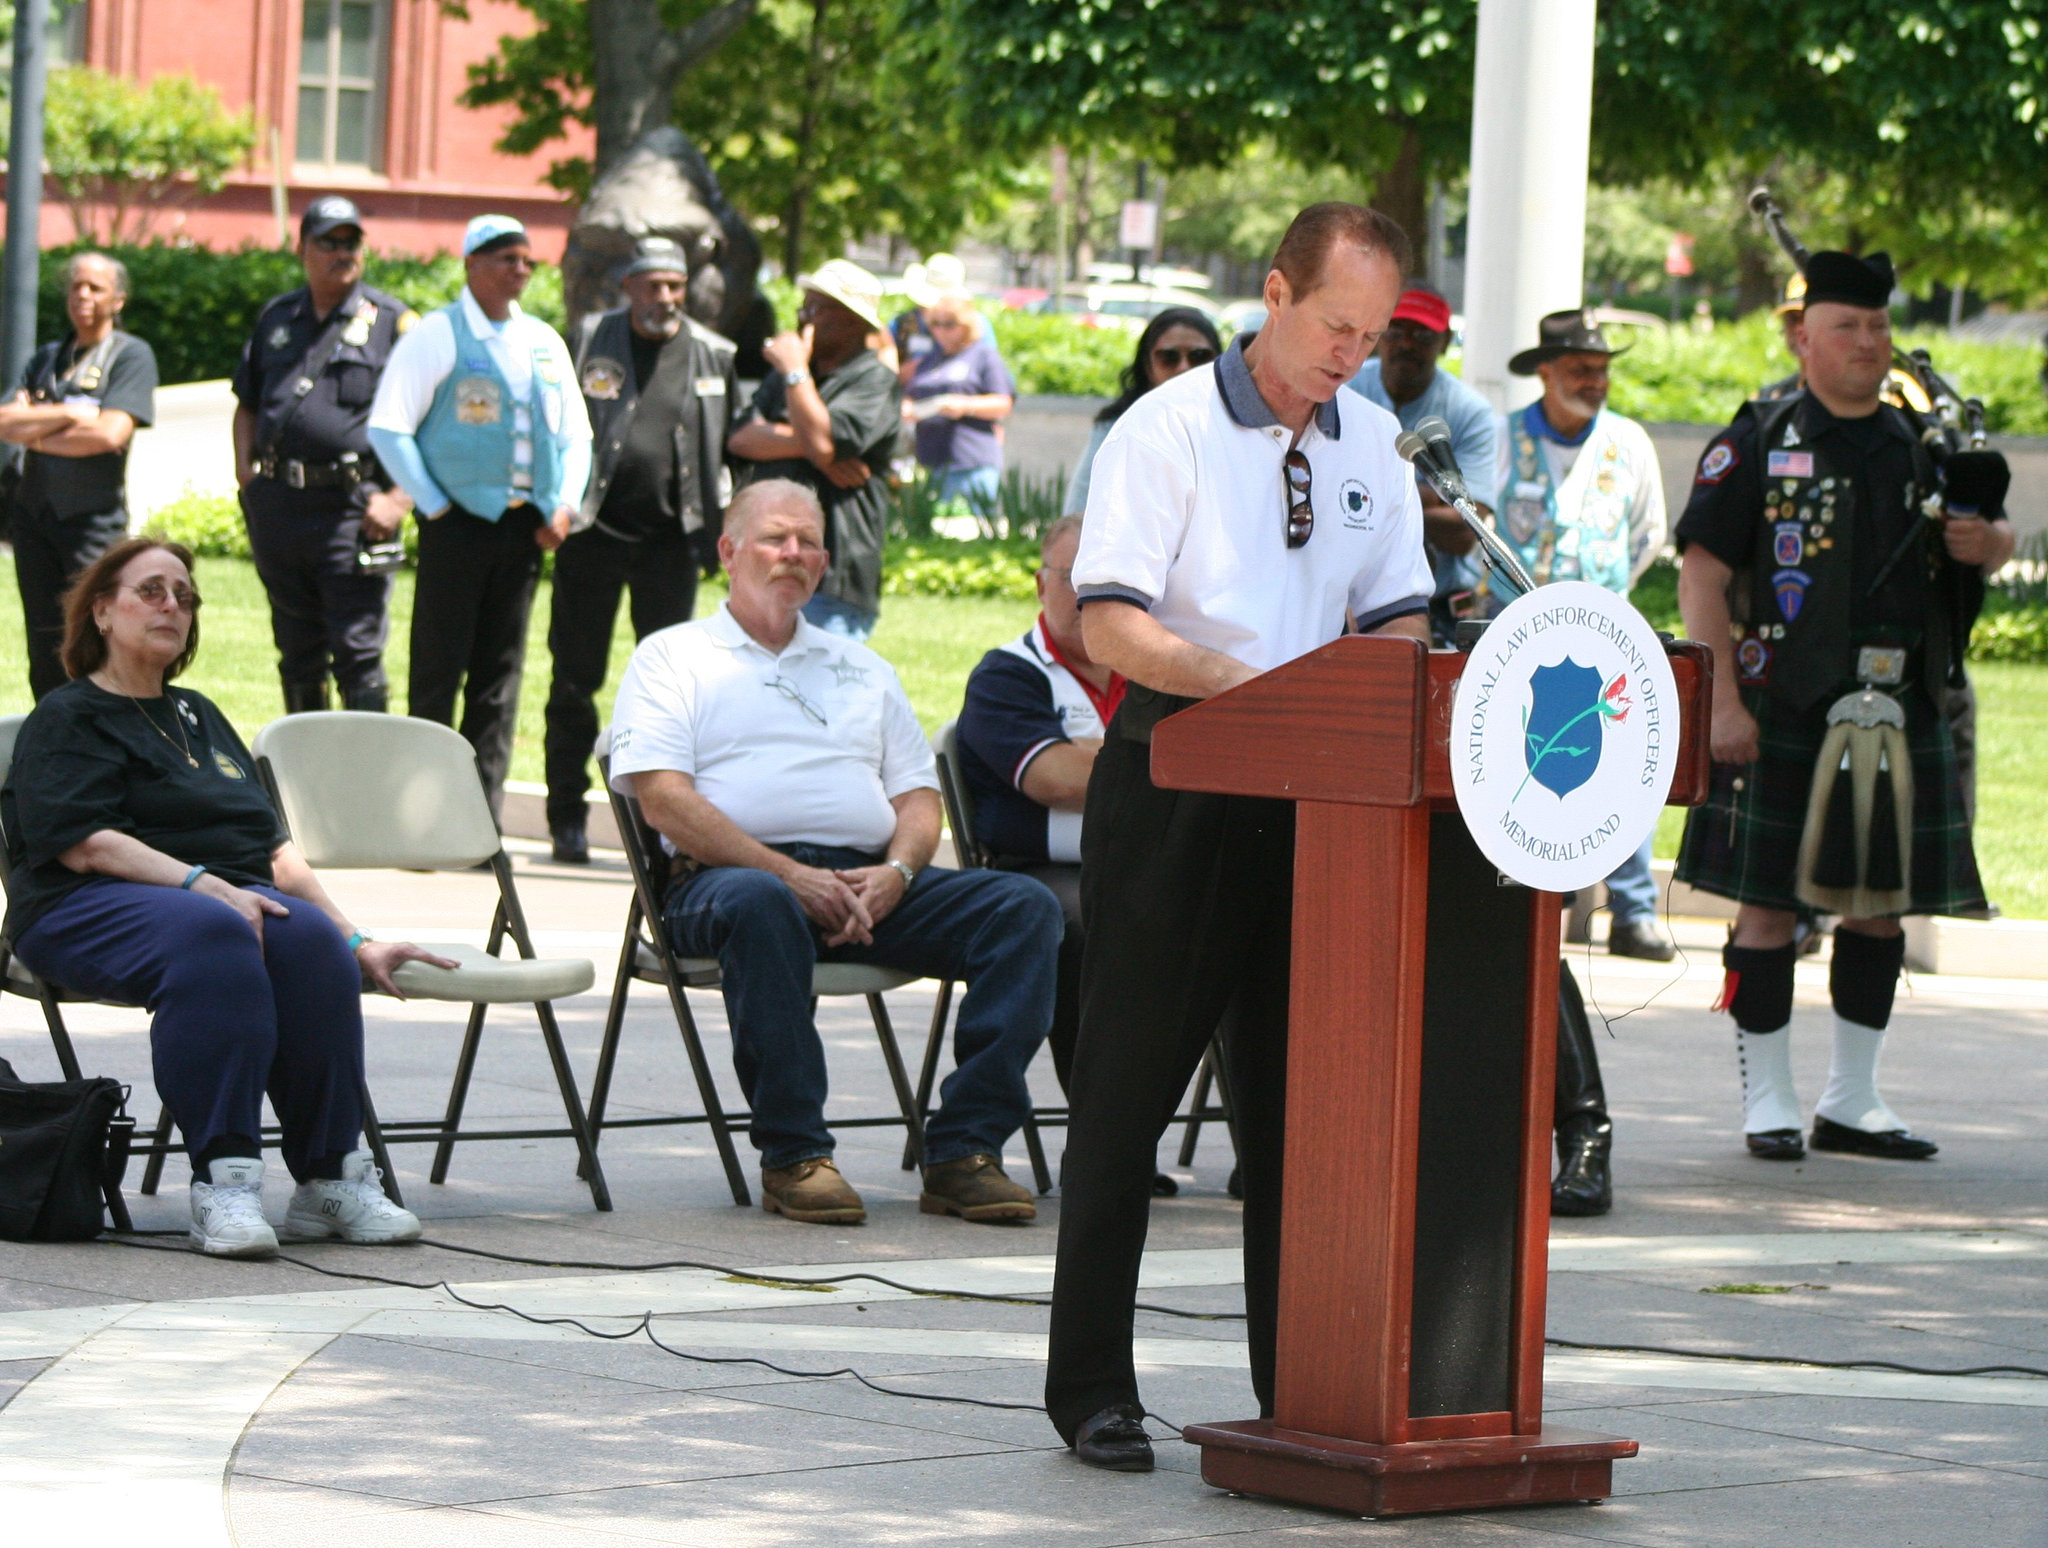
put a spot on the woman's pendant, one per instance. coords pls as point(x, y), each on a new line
point(192, 760)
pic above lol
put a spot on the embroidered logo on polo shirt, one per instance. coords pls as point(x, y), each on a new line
point(227, 765)
point(1355, 504)
point(844, 671)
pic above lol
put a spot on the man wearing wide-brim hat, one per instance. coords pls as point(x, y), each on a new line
point(1833, 567)
point(827, 416)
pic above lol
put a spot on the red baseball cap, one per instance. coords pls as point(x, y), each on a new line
point(1426, 307)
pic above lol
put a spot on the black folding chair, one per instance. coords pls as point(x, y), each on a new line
point(645, 956)
point(967, 849)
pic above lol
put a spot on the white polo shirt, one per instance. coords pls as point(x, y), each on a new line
point(1187, 518)
point(806, 746)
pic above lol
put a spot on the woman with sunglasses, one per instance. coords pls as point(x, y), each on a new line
point(1178, 339)
point(148, 867)
point(958, 396)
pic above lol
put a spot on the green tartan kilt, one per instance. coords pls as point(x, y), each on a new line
point(1744, 842)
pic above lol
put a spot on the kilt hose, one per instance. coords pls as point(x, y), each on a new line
point(1744, 842)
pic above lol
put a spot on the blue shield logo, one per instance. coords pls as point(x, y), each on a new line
point(1790, 587)
point(1561, 731)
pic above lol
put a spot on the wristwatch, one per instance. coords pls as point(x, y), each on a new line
point(795, 378)
point(905, 872)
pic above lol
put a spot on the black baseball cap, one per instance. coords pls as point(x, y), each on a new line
point(327, 212)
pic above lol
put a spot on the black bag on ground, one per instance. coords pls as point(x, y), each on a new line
point(57, 1153)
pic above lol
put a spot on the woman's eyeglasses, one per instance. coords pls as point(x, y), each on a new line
point(153, 592)
point(1301, 516)
point(795, 695)
point(1171, 358)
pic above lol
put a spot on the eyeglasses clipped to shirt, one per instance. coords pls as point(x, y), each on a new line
point(795, 695)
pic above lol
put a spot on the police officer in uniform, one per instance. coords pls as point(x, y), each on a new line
point(1833, 567)
point(659, 388)
point(79, 405)
point(479, 421)
point(314, 495)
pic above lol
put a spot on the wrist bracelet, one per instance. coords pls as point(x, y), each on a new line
point(357, 940)
point(191, 877)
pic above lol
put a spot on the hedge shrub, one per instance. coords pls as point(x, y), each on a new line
point(195, 307)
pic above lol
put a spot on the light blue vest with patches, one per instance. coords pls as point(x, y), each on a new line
point(1588, 542)
point(467, 435)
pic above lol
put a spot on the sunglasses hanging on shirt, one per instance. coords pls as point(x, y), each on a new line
point(1301, 516)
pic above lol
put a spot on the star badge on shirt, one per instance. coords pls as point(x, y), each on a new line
point(844, 672)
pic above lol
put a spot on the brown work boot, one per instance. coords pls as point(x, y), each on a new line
point(975, 1188)
point(811, 1191)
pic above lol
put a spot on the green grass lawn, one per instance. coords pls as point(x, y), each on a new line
point(934, 642)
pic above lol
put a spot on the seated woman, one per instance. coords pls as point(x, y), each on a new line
point(149, 868)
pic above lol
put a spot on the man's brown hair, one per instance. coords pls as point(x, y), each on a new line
point(1304, 251)
point(85, 648)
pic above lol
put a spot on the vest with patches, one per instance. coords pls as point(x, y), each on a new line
point(467, 436)
point(1585, 539)
point(694, 380)
point(1795, 601)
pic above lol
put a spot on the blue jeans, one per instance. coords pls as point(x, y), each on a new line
point(231, 1019)
point(998, 931)
point(1632, 890)
point(837, 617)
point(981, 488)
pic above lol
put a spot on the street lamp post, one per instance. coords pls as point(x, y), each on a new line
point(24, 189)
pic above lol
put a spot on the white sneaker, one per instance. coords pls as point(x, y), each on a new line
point(354, 1208)
point(227, 1213)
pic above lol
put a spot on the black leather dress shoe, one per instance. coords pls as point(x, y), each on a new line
point(1891, 1145)
point(1777, 1145)
point(1583, 1185)
point(1639, 938)
point(1115, 1439)
point(572, 844)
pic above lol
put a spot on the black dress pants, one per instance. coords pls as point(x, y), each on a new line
point(1187, 902)
point(325, 613)
point(49, 553)
point(591, 569)
point(469, 611)
point(1579, 1091)
point(1064, 882)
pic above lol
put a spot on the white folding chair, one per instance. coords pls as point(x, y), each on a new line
point(363, 791)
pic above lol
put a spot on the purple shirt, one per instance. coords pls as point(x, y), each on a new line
point(960, 443)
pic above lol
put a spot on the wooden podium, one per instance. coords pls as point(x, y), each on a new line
point(1421, 1059)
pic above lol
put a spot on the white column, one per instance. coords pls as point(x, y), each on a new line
point(1532, 119)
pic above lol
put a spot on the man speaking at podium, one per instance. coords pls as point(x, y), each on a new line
point(1238, 517)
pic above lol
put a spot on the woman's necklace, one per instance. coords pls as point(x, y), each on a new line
point(182, 744)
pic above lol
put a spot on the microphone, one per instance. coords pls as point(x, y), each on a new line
point(1434, 459)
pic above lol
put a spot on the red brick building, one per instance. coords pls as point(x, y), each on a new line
point(351, 96)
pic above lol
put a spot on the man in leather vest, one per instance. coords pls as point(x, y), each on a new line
point(313, 493)
point(659, 388)
point(1824, 547)
point(79, 405)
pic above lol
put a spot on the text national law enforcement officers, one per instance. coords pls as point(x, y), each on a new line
point(314, 496)
point(79, 405)
point(659, 389)
point(1833, 568)
point(478, 419)
point(1237, 515)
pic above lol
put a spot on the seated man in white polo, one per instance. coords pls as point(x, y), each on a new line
point(785, 769)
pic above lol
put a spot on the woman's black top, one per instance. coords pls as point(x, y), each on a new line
point(168, 771)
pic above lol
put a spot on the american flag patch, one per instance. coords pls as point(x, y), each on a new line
point(1789, 464)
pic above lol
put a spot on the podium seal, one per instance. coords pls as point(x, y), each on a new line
point(1564, 736)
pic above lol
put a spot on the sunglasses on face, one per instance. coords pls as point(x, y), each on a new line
point(339, 241)
point(153, 592)
point(1201, 354)
point(1301, 516)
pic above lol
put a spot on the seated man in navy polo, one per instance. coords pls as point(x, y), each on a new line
point(1028, 734)
point(783, 766)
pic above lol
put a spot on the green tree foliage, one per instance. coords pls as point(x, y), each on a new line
point(826, 120)
point(122, 151)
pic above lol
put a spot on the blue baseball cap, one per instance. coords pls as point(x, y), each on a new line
point(488, 231)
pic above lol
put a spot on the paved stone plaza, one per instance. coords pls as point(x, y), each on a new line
point(155, 1396)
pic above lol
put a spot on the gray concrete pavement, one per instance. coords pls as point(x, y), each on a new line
point(338, 1411)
